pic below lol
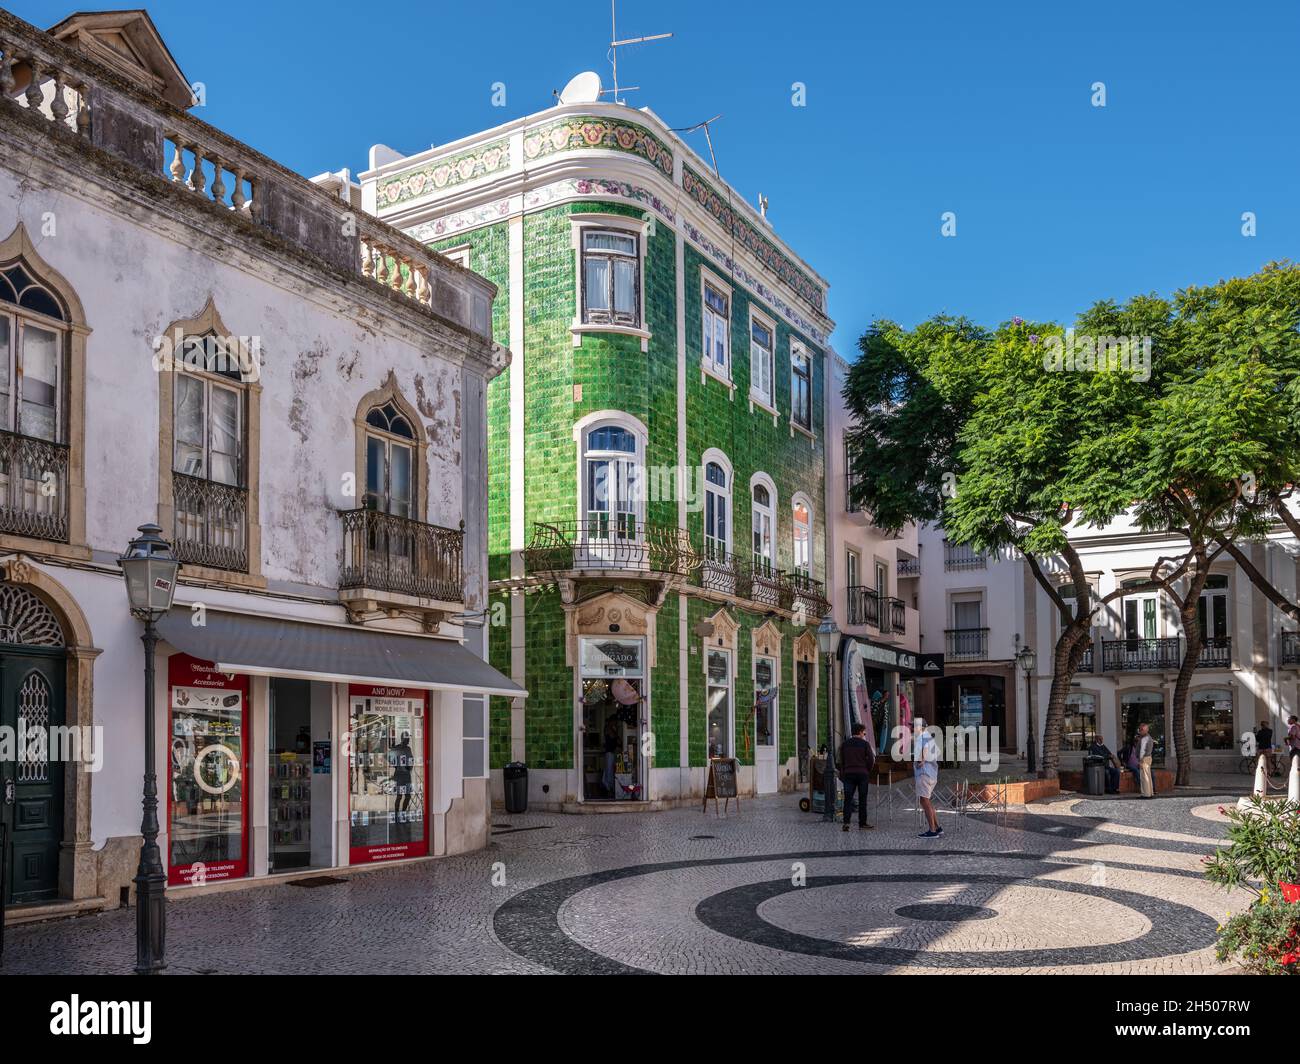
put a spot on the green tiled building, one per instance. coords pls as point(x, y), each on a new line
point(656, 454)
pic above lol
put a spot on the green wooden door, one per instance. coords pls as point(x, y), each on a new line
point(32, 703)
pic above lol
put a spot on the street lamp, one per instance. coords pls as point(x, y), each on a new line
point(149, 567)
point(1028, 662)
point(828, 641)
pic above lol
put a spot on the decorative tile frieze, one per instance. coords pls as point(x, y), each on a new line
point(586, 131)
point(445, 173)
point(758, 245)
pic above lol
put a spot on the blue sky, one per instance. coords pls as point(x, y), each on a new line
point(913, 109)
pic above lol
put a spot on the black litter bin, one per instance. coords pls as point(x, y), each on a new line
point(516, 780)
point(1094, 775)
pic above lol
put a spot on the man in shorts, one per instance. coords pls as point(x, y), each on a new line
point(925, 771)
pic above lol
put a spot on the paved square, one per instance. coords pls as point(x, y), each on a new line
point(1074, 885)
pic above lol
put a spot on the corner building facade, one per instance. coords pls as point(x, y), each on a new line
point(656, 454)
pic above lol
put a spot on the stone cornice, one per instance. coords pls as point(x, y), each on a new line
point(47, 154)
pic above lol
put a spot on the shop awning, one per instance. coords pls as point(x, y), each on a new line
point(268, 646)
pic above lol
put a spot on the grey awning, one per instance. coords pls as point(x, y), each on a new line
point(267, 646)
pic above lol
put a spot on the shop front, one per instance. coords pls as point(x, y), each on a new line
point(297, 746)
point(878, 688)
point(613, 715)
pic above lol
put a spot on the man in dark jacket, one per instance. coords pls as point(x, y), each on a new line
point(856, 761)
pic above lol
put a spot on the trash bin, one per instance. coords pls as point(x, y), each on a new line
point(515, 775)
point(1094, 775)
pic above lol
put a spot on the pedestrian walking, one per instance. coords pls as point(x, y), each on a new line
point(1146, 747)
point(925, 773)
point(856, 761)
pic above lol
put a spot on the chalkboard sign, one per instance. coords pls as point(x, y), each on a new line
point(721, 783)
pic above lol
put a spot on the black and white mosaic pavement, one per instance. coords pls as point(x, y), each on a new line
point(1067, 886)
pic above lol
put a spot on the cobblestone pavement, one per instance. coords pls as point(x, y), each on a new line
point(1074, 885)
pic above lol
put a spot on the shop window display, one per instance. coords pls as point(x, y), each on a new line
point(387, 769)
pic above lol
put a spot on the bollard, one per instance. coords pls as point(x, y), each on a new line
point(1261, 777)
point(1293, 782)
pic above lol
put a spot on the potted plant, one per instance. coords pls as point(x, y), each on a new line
point(1263, 857)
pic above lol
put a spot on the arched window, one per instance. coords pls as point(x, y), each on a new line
point(802, 536)
point(611, 487)
point(390, 462)
point(33, 341)
point(717, 511)
point(764, 525)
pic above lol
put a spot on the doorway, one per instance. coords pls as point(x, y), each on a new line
point(32, 703)
point(1145, 707)
point(803, 715)
point(767, 776)
point(300, 768)
point(612, 709)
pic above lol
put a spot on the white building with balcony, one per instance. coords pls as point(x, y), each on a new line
point(193, 336)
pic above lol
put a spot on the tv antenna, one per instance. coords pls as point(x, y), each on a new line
point(615, 44)
point(708, 138)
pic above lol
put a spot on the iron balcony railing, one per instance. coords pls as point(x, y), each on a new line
point(957, 556)
point(1086, 662)
point(1291, 648)
point(967, 644)
point(211, 523)
point(618, 542)
point(1163, 655)
point(868, 607)
point(33, 487)
point(807, 595)
point(909, 567)
point(384, 552)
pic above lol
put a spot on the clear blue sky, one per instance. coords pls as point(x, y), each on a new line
point(913, 109)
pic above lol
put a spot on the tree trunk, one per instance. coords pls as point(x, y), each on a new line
point(1191, 656)
point(1065, 663)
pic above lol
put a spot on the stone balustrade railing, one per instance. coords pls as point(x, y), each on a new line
point(95, 104)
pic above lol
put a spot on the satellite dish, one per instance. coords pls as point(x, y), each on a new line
point(584, 88)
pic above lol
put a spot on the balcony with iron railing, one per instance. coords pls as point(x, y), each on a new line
point(908, 567)
point(1290, 654)
point(958, 557)
point(614, 543)
point(866, 606)
point(808, 596)
point(1163, 655)
point(966, 644)
point(211, 523)
point(33, 487)
point(392, 561)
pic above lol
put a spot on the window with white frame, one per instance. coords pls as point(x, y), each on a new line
point(764, 528)
point(762, 341)
point(800, 387)
point(611, 277)
point(718, 670)
point(802, 537)
point(32, 341)
point(717, 507)
point(717, 329)
point(474, 729)
point(765, 697)
point(852, 567)
point(611, 482)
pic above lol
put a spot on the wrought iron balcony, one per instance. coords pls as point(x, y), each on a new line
point(1216, 653)
point(868, 607)
point(33, 487)
point(1086, 662)
point(1141, 655)
point(909, 567)
point(1291, 648)
point(386, 553)
point(760, 582)
point(958, 557)
point(211, 523)
point(807, 595)
point(620, 543)
point(966, 644)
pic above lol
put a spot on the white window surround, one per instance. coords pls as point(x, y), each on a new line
point(715, 455)
point(600, 419)
point(634, 227)
point(756, 397)
point(797, 347)
point(770, 510)
point(708, 367)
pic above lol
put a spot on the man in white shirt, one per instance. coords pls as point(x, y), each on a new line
point(925, 773)
point(1146, 747)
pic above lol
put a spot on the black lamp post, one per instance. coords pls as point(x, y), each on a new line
point(149, 567)
point(828, 641)
point(1028, 662)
